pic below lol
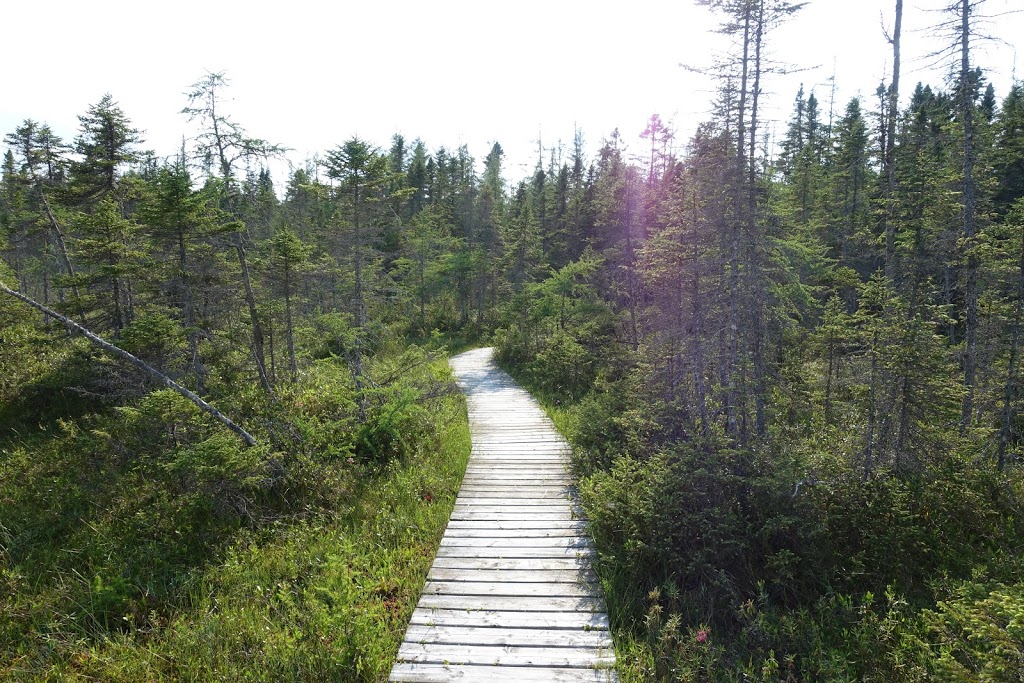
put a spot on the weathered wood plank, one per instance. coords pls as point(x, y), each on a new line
point(523, 448)
point(445, 673)
point(559, 492)
point(512, 512)
point(482, 480)
point(512, 637)
point(506, 442)
point(522, 467)
point(478, 482)
point(463, 551)
point(512, 589)
point(509, 603)
point(526, 493)
point(517, 524)
point(536, 473)
point(513, 533)
point(510, 507)
point(509, 477)
point(501, 618)
point(550, 501)
point(519, 459)
point(513, 575)
point(508, 655)
point(511, 517)
point(513, 563)
point(517, 542)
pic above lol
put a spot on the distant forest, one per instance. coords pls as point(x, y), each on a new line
point(791, 375)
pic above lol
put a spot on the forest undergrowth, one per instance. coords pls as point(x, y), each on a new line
point(778, 562)
point(144, 542)
point(789, 365)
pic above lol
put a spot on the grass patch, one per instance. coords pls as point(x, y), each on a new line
point(185, 564)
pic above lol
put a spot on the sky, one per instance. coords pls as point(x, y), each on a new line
point(309, 75)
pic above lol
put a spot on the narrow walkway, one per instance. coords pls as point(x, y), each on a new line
point(511, 595)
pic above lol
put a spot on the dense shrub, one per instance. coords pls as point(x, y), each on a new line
point(782, 562)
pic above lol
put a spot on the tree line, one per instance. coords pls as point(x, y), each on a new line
point(784, 362)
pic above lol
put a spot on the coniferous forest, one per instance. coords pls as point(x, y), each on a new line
point(790, 369)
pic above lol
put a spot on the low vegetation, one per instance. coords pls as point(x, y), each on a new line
point(145, 542)
point(791, 373)
point(779, 562)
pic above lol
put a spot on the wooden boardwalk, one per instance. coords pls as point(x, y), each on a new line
point(511, 595)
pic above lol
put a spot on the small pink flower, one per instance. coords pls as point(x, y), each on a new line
point(702, 636)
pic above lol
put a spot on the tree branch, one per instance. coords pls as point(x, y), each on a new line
point(137, 362)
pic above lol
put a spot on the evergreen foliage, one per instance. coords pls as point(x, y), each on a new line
point(791, 377)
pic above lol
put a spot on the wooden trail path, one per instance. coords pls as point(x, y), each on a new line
point(511, 595)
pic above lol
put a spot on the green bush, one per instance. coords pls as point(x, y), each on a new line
point(977, 633)
point(563, 368)
point(155, 338)
point(781, 557)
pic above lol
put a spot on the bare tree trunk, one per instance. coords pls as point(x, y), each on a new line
point(754, 266)
point(869, 449)
point(903, 421)
point(423, 293)
point(357, 352)
point(828, 380)
point(46, 297)
point(62, 246)
point(698, 366)
point(129, 301)
point(969, 201)
point(118, 316)
point(1010, 387)
point(137, 362)
point(289, 332)
point(732, 362)
point(270, 341)
point(254, 315)
point(700, 382)
point(189, 314)
point(631, 266)
point(888, 160)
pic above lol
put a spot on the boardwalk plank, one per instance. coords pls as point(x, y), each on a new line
point(518, 524)
point(486, 532)
point(509, 655)
point(512, 637)
point(506, 619)
point(516, 542)
point(512, 595)
point(443, 673)
point(557, 501)
point(470, 516)
point(515, 554)
point(507, 575)
point(518, 493)
point(513, 563)
point(511, 603)
point(510, 507)
point(514, 589)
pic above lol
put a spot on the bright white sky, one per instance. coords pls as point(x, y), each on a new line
point(309, 75)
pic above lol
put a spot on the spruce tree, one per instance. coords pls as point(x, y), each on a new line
point(107, 142)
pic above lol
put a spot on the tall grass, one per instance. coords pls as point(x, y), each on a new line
point(320, 589)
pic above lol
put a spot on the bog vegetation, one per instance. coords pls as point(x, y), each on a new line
point(791, 377)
